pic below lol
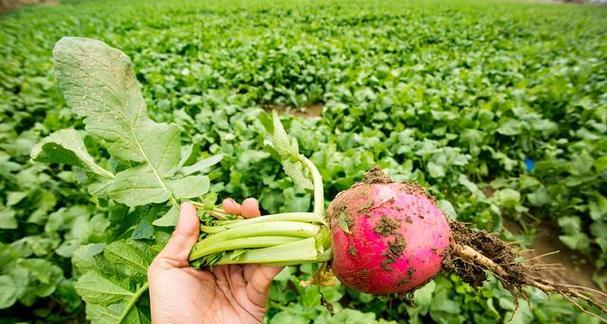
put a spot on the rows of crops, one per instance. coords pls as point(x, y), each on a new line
point(499, 108)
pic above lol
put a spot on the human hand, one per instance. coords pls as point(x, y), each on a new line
point(222, 294)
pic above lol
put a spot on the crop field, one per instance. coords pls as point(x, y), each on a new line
point(497, 108)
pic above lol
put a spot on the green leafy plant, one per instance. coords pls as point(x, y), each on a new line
point(504, 83)
point(100, 86)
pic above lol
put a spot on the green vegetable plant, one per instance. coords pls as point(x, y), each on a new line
point(148, 168)
point(145, 167)
point(500, 116)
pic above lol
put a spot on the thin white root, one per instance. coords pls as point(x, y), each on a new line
point(543, 255)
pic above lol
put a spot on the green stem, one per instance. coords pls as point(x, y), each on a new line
point(132, 302)
point(290, 253)
point(325, 257)
point(173, 201)
point(319, 196)
point(295, 217)
point(242, 243)
point(275, 228)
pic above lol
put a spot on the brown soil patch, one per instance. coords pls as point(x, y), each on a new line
point(386, 226)
point(576, 269)
point(308, 111)
point(571, 267)
point(6, 5)
point(376, 175)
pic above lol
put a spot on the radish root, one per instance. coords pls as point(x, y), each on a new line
point(472, 252)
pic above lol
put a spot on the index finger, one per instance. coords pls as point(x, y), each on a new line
point(230, 206)
point(250, 208)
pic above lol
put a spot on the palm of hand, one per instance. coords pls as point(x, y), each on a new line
point(223, 294)
point(226, 294)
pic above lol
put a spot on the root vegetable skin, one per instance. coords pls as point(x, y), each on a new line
point(387, 237)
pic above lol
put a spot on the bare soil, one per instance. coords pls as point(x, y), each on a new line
point(576, 269)
point(570, 267)
point(308, 111)
point(6, 5)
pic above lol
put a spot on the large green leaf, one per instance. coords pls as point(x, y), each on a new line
point(100, 85)
point(10, 290)
point(135, 259)
point(67, 146)
point(94, 288)
point(7, 219)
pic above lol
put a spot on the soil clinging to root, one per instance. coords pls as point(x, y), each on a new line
point(491, 247)
point(376, 175)
point(472, 252)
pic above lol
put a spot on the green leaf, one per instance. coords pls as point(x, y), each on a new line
point(471, 186)
point(67, 146)
point(100, 188)
point(435, 170)
point(44, 201)
point(94, 288)
point(597, 206)
point(99, 84)
point(295, 170)
point(423, 296)
point(99, 314)
point(143, 231)
point(600, 164)
point(508, 198)
point(448, 209)
point(10, 290)
point(128, 256)
point(287, 317)
point(352, 316)
point(139, 186)
point(522, 314)
point(576, 241)
point(570, 225)
point(599, 229)
point(510, 127)
point(189, 187)
point(7, 219)
point(168, 219)
point(539, 197)
point(44, 277)
point(202, 165)
point(83, 258)
point(14, 197)
point(441, 303)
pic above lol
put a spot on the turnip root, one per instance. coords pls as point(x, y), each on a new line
point(392, 238)
point(387, 237)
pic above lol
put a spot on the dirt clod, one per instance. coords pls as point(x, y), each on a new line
point(481, 241)
point(396, 247)
point(395, 250)
point(386, 226)
point(376, 175)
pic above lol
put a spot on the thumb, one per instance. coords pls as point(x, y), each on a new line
point(185, 235)
point(258, 286)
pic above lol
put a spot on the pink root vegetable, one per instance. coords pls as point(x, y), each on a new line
point(387, 237)
point(392, 238)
